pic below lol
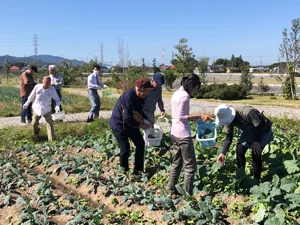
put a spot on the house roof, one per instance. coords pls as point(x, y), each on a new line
point(14, 68)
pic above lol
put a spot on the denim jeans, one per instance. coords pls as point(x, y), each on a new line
point(53, 103)
point(26, 112)
point(95, 100)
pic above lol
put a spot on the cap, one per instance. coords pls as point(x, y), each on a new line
point(34, 68)
point(159, 78)
point(224, 114)
point(143, 83)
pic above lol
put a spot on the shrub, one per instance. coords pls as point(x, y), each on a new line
point(222, 92)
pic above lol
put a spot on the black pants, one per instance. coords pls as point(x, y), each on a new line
point(256, 160)
point(53, 103)
point(122, 138)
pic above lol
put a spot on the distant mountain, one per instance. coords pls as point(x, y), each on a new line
point(42, 60)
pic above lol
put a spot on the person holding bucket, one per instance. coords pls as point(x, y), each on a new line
point(181, 134)
point(256, 134)
point(126, 120)
point(155, 96)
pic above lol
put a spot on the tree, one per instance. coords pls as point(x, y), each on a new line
point(169, 78)
point(121, 53)
point(262, 87)
point(185, 59)
point(6, 68)
point(143, 65)
point(290, 51)
point(246, 80)
point(154, 63)
point(202, 67)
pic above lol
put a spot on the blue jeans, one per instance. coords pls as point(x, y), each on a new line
point(26, 112)
point(95, 100)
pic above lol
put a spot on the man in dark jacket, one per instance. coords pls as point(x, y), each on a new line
point(126, 120)
point(27, 84)
point(256, 134)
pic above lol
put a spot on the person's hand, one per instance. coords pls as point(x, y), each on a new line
point(145, 126)
point(221, 158)
point(256, 148)
point(57, 109)
point(25, 107)
point(205, 117)
point(105, 86)
point(162, 114)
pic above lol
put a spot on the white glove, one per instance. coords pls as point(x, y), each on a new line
point(57, 109)
point(105, 86)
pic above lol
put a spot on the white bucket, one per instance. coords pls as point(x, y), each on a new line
point(153, 136)
point(58, 116)
point(164, 124)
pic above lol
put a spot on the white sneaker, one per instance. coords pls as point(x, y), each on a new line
point(22, 123)
point(28, 121)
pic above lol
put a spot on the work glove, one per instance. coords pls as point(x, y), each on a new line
point(57, 109)
point(105, 86)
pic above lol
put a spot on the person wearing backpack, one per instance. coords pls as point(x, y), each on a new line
point(256, 134)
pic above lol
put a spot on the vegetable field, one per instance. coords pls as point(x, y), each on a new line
point(78, 181)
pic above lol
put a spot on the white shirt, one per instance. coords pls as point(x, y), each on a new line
point(42, 99)
point(92, 82)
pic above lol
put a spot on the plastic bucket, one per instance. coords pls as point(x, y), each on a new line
point(164, 124)
point(153, 136)
point(205, 129)
point(58, 116)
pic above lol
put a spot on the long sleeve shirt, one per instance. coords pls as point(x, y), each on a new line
point(57, 81)
point(247, 119)
point(26, 84)
point(94, 82)
point(128, 102)
point(42, 98)
point(180, 105)
point(154, 97)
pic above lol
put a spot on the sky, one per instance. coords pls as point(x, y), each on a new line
point(214, 28)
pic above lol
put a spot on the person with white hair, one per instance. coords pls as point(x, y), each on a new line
point(256, 134)
point(56, 81)
point(41, 96)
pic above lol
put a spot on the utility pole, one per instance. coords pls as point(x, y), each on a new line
point(260, 62)
point(35, 44)
point(172, 56)
point(102, 58)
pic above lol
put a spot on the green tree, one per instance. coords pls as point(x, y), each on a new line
point(202, 67)
point(290, 51)
point(170, 77)
point(143, 65)
point(246, 80)
point(154, 63)
point(6, 68)
point(185, 59)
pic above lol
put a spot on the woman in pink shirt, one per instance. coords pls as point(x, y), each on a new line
point(181, 134)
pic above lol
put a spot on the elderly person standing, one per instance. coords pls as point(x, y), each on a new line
point(155, 97)
point(41, 96)
point(94, 84)
point(27, 83)
point(126, 120)
point(56, 81)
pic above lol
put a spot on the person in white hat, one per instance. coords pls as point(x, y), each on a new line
point(256, 134)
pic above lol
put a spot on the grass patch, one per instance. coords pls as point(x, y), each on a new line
point(11, 137)
point(10, 102)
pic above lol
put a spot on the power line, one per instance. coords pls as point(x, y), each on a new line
point(102, 57)
point(35, 44)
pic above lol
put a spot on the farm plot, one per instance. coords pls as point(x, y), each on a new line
point(78, 181)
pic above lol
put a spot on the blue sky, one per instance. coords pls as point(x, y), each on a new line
point(214, 28)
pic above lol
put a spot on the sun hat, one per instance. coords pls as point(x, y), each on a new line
point(224, 114)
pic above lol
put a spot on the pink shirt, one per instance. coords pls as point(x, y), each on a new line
point(180, 104)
